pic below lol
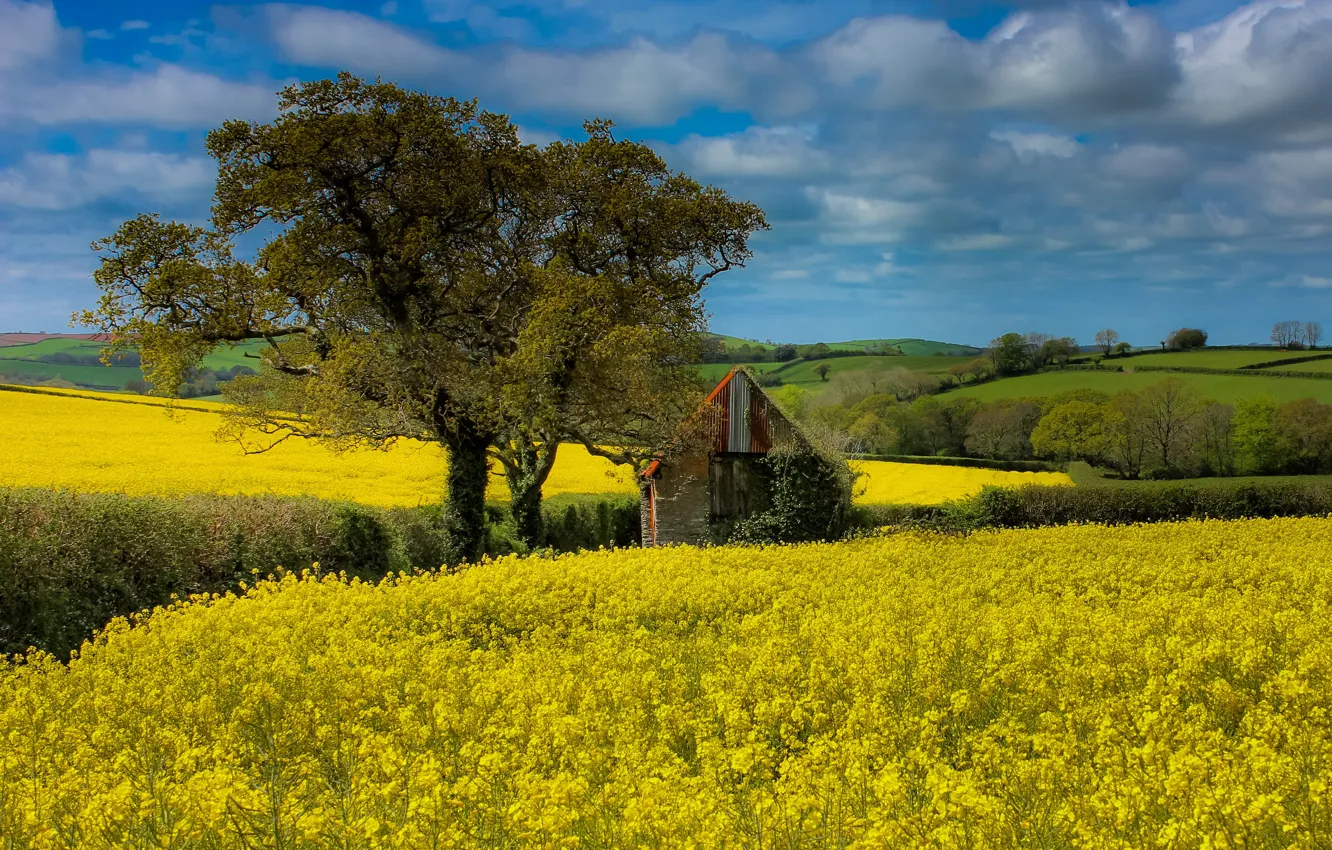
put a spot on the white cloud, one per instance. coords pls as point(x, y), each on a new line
point(1265, 63)
point(977, 242)
point(1147, 163)
point(166, 96)
point(1314, 282)
point(99, 34)
point(639, 81)
point(134, 25)
point(480, 18)
point(1088, 58)
point(60, 181)
point(852, 276)
point(389, 9)
point(28, 32)
point(758, 151)
point(318, 37)
point(1031, 145)
point(790, 274)
point(859, 219)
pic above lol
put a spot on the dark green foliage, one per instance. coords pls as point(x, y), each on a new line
point(71, 562)
point(1010, 354)
point(1182, 339)
point(808, 498)
point(1033, 506)
point(588, 523)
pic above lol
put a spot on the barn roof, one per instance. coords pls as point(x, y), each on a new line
point(739, 417)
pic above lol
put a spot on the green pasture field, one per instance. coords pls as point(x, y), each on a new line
point(730, 342)
point(803, 373)
point(1311, 366)
point(1227, 388)
point(1220, 359)
point(92, 377)
point(1084, 475)
point(22, 362)
point(714, 372)
point(910, 346)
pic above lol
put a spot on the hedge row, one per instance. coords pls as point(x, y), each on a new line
point(1289, 360)
point(972, 462)
point(69, 562)
point(1034, 505)
point(1248, 373)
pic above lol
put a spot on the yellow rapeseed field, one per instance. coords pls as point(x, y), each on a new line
point(927, 484)
point(1164, 686)
point(141, 446)
point(86, 442)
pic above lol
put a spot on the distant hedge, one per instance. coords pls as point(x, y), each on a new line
point(71, 562)
point(971, 462)
point(1248, 373)
point(1034, 505)
point(1289, 360)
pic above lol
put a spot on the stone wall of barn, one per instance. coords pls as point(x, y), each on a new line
point(682, 501)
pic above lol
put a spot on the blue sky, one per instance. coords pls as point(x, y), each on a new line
point(952, 169)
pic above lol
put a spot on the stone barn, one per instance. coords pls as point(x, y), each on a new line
point(710, 476)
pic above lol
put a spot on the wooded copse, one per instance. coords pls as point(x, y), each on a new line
point(1291, 334)
point(714, 351)
point(1167, 430)
point(431, 276)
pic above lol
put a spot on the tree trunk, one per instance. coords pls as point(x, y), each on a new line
point(465, 485)
point(526, 470)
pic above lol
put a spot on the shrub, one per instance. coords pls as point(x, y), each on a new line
point(1033, 506)
point(808, 499)
point(70, 562)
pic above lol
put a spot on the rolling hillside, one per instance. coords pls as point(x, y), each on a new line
point(74, 360)
point(1225, 388)
point(909, 345)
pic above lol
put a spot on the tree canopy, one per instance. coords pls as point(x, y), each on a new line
point(428, 275)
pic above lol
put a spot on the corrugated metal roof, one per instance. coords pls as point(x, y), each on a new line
point(739, 418)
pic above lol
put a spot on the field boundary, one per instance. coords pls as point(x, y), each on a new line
point(1239, 371)
point(131, 398)
point(1270, 364)
point(966, 462)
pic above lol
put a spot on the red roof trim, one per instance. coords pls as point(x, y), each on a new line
point(712, 396)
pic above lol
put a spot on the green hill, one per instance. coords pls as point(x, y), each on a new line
point(908, 345)
point(42, 361)
point(1227, 388)
point(1220, 358)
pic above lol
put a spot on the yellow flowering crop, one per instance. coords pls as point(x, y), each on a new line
point(113, 442)
point(81, 442)
point(1164, 686)
point(927, 484)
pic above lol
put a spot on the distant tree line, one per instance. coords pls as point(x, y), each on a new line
point(715, 350)
point(198, 381)
point(68, 358)
point(1163, 431)
point(1297, 335)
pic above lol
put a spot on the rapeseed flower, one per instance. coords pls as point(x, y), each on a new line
point(146, 446)
point(1162, 686)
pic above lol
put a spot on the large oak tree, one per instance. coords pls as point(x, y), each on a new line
point(425, 274)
